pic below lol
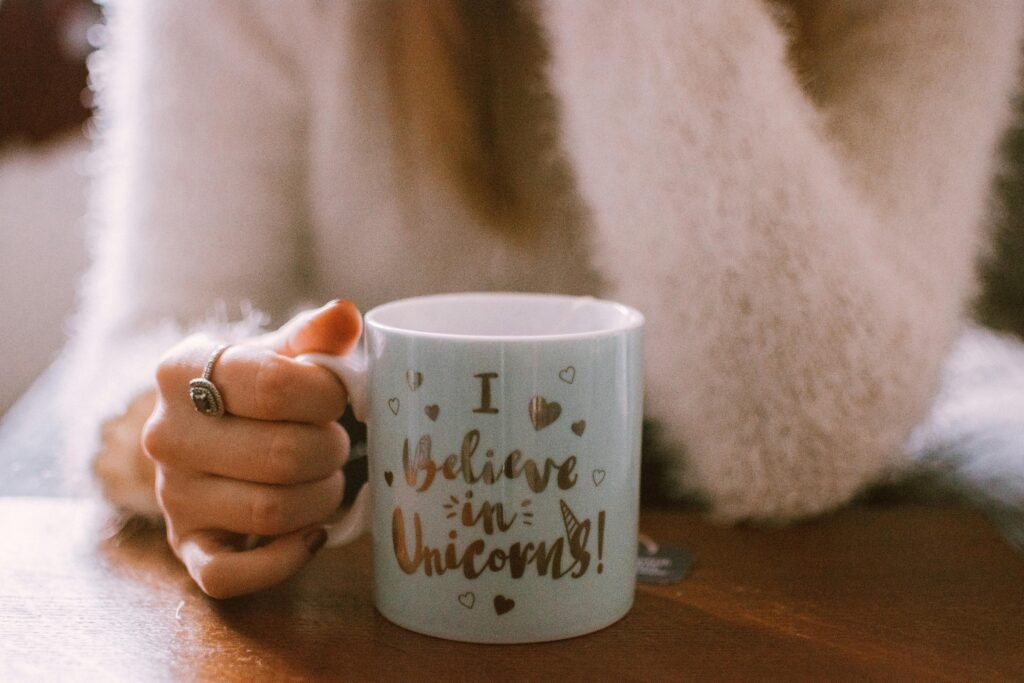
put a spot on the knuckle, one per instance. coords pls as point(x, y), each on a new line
point(326, 496)
point(336, 489)
point(168, 506)
point(157, 437)
point(173, 538)
point(176, 542)
point(334, 399)
point(168, 494)
point(170, 368)
point(340, 443)
point(166, 373)
point(283, 455)
point(273, 378)
point(162, 490)
point(266, 513)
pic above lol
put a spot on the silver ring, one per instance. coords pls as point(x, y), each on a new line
point(203, 392)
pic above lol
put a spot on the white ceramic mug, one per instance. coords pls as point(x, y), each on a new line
point(504, 452)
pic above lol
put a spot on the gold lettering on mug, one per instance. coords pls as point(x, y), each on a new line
point(547, 558)
point(485, 393)
point(416, 465)
point(491, 530)
point(461, 466)
point(490, 514)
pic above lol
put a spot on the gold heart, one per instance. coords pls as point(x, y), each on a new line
point(432, 412)
point(414, 379)
point(503, 604)
point(543, 412)
point(393, 403)
point(598, 477)
point(467, 599)
point(579, 427)
point(567, 375)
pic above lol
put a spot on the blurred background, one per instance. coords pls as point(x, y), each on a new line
point(45, 104)
point(44, 109)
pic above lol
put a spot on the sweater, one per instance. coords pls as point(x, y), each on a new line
point(793, 193)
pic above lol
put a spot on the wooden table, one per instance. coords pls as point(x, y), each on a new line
point(877, 592)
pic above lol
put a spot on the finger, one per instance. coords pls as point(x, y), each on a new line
point(222, 571)
point(250, 450)
point(333, 328)
point(207, 502)
point(254, 382)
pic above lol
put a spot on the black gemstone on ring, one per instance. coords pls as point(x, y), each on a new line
point(205, 397)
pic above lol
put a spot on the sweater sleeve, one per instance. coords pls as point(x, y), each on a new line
point(196, 210)
point(801, 241)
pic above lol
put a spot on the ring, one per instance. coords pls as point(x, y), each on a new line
point(204, 394)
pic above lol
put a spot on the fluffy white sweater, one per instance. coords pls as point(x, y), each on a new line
point(794, 194)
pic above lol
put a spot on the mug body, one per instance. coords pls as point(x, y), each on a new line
point(504, 449)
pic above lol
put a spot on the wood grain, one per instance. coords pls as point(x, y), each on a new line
point(891, 592)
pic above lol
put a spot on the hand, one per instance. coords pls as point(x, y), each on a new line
point(270, 467)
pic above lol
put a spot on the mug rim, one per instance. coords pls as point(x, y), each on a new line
point(631, 318)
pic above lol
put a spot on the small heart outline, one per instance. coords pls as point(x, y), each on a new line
point(567, 374)
point(597, 476)
point(467, 599)
point(394, 404)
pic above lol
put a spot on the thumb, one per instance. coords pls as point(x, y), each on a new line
point(333, 328)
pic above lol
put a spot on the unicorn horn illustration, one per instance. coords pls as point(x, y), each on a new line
point(576, 531)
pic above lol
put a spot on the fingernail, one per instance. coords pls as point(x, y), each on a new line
point(315, 540)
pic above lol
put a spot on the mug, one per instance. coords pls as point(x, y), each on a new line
point(504, 458)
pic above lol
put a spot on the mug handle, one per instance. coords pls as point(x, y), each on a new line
point(347, 527)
